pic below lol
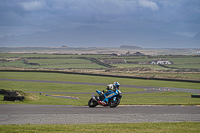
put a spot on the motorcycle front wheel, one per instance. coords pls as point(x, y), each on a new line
point(114, 102)
point(92, 103)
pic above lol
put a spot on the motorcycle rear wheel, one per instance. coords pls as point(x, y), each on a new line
point(92, 103)
point(112, 103)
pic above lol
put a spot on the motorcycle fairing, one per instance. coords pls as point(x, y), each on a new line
point(110, 95)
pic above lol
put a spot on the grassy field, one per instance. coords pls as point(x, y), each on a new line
point(95, 79)
point(180, 127)
point(18, 63)
point(187, 66)
point(67, 66)
point(54, 63)
point(192, 62)
point(59, 61)
point(189, 76)
point(153, 67)
point(161, 98)
point(5, 55)
point(182, 62)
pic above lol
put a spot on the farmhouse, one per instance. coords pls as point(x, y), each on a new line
point(113, 55)
point(138, 54)
point(134, 54)
point(160, 61)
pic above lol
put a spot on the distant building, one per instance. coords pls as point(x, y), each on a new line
point(113, 54)
point(134, 54)
point(160, 61)
point(128, 53)
point(138, 54)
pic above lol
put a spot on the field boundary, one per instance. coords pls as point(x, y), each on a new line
point(107, 75)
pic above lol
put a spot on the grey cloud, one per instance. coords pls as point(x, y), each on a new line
point(52, 14)
point(33, 5)
point(148, 4)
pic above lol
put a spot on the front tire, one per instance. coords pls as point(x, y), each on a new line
point(114, 103)
point(92, 103)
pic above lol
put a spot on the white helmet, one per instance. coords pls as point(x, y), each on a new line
point(110, 87)
point(116, 84)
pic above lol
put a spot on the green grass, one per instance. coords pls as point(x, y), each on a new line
point(49, 87)
point(189, 60)
point(18, 63)
point(154, 67)
point(161, 98)
point(59, 61)
point(176, 127)
point(195, 76)
point(48, 100)
point(179, 62)
point(57, 56)
point(186, 62)
point(58, 66)
point(54, 63)
point(95, 79)
point(195, 66)
point(55, 87)
point(9, 55)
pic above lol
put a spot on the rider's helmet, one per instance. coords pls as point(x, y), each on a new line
point(116, 84)
point(110, 87)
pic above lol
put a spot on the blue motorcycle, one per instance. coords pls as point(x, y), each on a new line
point(111, 99)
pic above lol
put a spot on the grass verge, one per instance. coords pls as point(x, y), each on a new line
point(162, 98)
point(180, 127)
point(95, 79)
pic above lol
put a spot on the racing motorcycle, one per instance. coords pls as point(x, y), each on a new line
point(111, 99)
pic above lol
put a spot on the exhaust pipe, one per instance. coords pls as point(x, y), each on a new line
point(93, 97)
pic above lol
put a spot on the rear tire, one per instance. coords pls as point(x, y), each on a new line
point(112, 103)
point(92, 103)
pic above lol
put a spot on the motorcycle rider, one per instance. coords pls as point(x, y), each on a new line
point(109, 88)
point(116, 85)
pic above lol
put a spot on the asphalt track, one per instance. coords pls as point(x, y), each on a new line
point(63, 114)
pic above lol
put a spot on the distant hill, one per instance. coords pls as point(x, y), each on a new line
point(129, 47)
point(91, 36)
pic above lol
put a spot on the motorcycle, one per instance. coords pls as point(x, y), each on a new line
point(111, 99)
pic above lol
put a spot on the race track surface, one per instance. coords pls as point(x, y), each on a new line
point(63, 114)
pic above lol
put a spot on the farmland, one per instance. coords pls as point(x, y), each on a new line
point(183, 67)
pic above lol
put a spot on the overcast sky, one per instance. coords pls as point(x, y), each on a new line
point(28, 16)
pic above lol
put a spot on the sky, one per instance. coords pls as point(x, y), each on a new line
point(20, 17)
